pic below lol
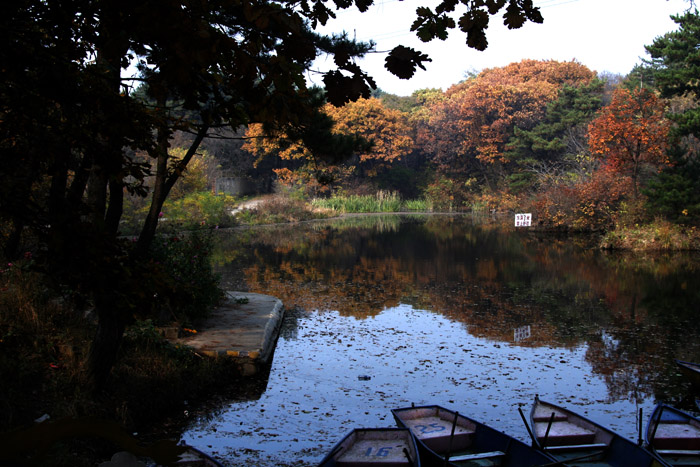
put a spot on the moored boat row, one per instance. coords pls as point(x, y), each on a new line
point(435, 436)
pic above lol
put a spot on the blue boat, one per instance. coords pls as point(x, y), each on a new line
point(445, 437)
point(673, 435)
point(370, 447)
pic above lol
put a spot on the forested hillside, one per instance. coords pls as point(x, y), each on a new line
point(578, 149)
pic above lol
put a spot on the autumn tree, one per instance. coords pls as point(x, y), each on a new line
point(376, 136)
point(471, 127)
point(385, 129)
point(631, 133)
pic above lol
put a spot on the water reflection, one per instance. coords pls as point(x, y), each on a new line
point(456, 313)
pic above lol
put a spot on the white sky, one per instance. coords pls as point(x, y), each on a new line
point(604, 35)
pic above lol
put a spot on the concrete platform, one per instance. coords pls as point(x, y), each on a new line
point(246, 332)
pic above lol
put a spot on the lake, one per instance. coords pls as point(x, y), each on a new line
point(386, 311)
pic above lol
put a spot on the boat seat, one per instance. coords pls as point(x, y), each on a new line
point(683, 436)
point(476, 456)
point(564, 433)
point(574, 447)
point(544, 415)
point(678, 452)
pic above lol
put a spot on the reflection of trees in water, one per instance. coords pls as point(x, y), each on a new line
point(635, 317)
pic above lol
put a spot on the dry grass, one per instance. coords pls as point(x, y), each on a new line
point(659, 235)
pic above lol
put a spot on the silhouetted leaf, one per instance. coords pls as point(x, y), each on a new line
point(494, 6)
point(363, 5)
point(429, 25)
point(514, 17)
point(474, 23)
point(341, 89)
point(446, 6)
point(402, 61)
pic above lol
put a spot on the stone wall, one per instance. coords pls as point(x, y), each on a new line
point(235, 186)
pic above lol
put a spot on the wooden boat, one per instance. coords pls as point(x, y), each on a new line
point(691, 371)
point(577, 441)
point(193, 457)
point(443, 433)
point(368, 447)
point(186, 456)
point(673, 435)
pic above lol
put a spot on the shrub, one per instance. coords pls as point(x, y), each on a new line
point(197, 209)
point(445, 194)
point(190, 286)
point(658, 235)
point(591, 203)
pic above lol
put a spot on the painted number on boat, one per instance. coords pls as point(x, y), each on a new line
point(381, 452)
point(432, 428)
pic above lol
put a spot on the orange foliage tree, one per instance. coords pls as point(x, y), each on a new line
point(631, 133)
point(386, 129)
point(587, 203)
point(472, 125)
point(295, 165)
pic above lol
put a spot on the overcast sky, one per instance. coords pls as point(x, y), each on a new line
point(605, 35)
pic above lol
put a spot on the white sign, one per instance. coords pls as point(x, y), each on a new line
point(523, 220)
point(521, 333)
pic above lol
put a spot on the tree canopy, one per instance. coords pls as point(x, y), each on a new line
point(675, 66)
point(72, 122)
point(631, 133)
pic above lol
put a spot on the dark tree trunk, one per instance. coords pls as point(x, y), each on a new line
point(116, 207)
point(11, 249)
point(163, 184)
point(105, 345)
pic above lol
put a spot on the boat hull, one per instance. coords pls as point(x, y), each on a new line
point(691, 371)
point(469, 443)
point(575, 440)
point(673, 435)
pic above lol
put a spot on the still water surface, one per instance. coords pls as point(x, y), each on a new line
point(385, 311)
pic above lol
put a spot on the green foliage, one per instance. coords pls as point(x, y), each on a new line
point(675, 68)
point(200, 209)
point(560, 134)
point(191, 288)
point(198, 176)
point(382, 201)
point(191, 211)
point(445, 194)
point(416, 205)
point(675, 192)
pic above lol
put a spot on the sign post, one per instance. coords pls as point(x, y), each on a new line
point(523, 220)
